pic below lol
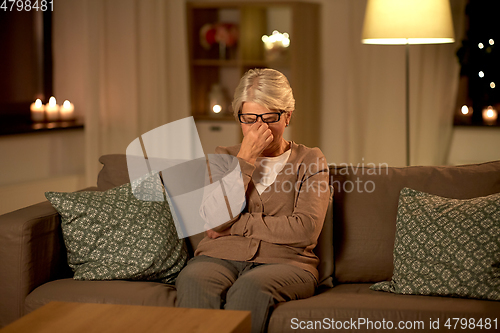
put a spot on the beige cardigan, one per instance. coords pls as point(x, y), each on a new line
point(282, 224)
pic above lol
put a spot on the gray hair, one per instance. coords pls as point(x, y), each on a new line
point(266, 87)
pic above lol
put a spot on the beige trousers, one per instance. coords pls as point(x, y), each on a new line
point(235, 285)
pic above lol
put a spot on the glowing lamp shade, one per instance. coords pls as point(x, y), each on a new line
point(395, 22)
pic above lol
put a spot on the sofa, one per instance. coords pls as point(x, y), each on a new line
point(356, 248)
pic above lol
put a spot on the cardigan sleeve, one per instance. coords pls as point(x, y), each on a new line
point(303, 226)
point(218, 169)
point(225, 200)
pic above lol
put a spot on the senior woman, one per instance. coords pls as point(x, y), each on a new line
point(264, 255)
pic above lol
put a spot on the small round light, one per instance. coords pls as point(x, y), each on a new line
point(465, 110)
point(491, 41)
point(480, 45)
point(481, 74)
point(492, 85)
point(217, 108)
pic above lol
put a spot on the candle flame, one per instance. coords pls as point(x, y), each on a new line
point(66, 104)
point(38, 103)
point(52, 101)
point(465, 110)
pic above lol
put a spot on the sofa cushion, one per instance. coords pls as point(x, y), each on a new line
point(356, 302)
point(366, 200)
point(446, 247)
point(113, 235)
point(114, 292)
point(114, 173)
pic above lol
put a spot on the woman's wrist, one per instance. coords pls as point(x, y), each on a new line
point(247, 157)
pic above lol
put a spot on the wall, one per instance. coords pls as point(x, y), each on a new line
point(32, 164)
point(474, 145)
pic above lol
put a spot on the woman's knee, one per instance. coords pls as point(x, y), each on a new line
point(188, 276)
point(248, 287)
point(272, 282)
point(205, 273)
point(202, 284)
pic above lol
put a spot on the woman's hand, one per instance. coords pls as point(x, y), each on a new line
point(257, 138)
point(214, 234)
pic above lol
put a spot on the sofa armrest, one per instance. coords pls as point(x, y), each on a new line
point(32, 252)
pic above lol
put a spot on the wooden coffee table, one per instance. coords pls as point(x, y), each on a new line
point(100, 318)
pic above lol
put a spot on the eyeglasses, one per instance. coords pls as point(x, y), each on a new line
point(251, 118)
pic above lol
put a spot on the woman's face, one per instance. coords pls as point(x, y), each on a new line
point(276, 128)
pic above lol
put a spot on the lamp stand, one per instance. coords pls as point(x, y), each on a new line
point(407, 104)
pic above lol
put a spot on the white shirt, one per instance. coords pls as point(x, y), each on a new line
point(267, 169)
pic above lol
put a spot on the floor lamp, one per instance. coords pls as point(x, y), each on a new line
point(405, 22)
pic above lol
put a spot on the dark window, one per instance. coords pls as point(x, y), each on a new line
point(26, 62)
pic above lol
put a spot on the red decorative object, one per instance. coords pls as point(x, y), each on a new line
point(221, 33)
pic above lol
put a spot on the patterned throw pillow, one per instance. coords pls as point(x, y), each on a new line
point(446, 247)
point(112, 235)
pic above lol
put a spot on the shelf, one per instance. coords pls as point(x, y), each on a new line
point(265, 63)
point(469, 123)
point(496, 125)
point(12, 128)
point(237, 63)
point(215, 62)
point(299, 62)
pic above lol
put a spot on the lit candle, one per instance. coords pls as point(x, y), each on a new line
point(466, 111)
point(490, 115)
point(52, 110)
point(37, 111)
point(67, 111)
